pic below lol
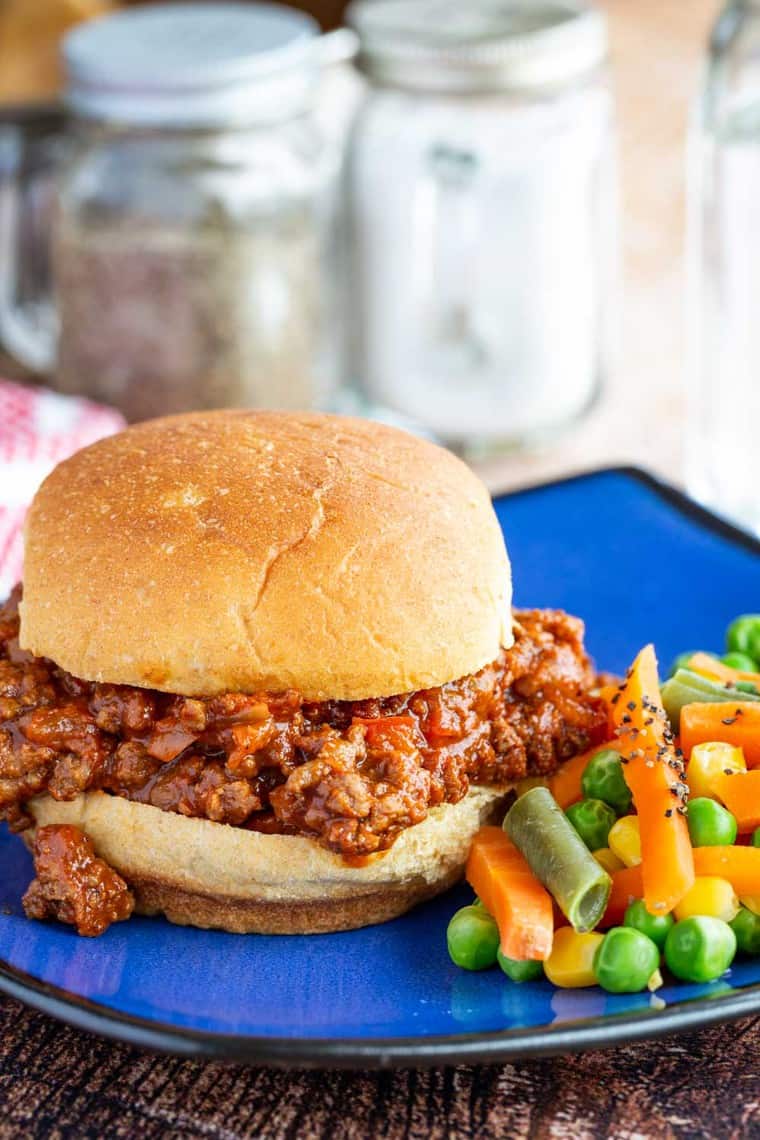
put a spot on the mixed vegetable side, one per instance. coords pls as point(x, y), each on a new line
point(642, 852)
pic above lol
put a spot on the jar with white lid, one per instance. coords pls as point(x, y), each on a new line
point(193, 216)
point(482, 200)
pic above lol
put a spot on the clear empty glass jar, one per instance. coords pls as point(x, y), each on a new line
point(722, 455)
point(482, 198)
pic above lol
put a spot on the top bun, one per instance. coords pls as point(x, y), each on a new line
point(248, 551)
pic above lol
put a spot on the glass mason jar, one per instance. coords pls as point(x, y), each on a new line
point(722, 455)
point(192, 226)
point(482, 204)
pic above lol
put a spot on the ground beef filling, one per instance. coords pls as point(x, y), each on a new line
point(352, 775)
point(73, 885)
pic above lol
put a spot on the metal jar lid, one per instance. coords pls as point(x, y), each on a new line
point(478, 45)
point(192, 65)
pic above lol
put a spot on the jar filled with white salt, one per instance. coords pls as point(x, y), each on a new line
point(482, 203)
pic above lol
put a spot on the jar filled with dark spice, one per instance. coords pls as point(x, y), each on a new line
point(193, 219)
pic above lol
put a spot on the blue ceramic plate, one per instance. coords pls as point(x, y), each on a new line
point(638, 562)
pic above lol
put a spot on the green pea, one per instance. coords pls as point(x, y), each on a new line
point(472, 938)
point(700, 949)
point(682, 661)
point(520, 971)
point(654, 926)
point(755, 840)
point(741, 661)
point(746, 927)
point(592, 819)
point(746, 687)
point(625, 960)
point(710, 824)
point(743, 635)
point(603, 780)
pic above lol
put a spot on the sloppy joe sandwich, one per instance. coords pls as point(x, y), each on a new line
point(264, 675)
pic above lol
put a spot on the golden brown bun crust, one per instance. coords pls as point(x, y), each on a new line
point(201, 873)
point(243, 551)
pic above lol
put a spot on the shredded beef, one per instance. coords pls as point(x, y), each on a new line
point(73, 885)
point(351, 774)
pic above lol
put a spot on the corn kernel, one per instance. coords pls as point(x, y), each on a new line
point(625, 840)
point(752, 902)
point(571, 962)
point(709, 760)
point(710, 896)
point(530, 782)
point(608, 859)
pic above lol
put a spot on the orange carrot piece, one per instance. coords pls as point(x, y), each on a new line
point(565, 784)
point(740, 792)
point(627, 885)
point(655, 777)
point(715, 670)
point(740, 865)
point(736, 723)
point(509, 890)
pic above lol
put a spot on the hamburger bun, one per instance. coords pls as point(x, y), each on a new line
point(251, 552)
point(248, 551)
point(231, 879)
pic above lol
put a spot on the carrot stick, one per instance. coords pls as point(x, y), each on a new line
point(715, 670)
point(655, 777)
point(627, 885)
point(740, 792)
point(508, 889)
point(740, 865)
point(735, 722)
point(565, 784)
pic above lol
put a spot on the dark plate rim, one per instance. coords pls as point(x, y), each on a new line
point(491, 1046)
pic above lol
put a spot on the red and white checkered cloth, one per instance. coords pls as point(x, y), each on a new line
point(37, 429)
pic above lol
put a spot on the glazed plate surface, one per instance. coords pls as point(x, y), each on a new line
point(638, 562)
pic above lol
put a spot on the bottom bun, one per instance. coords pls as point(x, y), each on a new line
point(201, 873)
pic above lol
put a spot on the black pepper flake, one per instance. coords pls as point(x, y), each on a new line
point(649, 720)
point(668, 813)
point(729, 720)
point(615, 698)
point(728, 771)
point(626, 719)
point(631, 705)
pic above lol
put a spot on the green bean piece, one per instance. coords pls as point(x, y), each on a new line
point(743, 635)
point(755, 840)
point(746, 687)
point(603, 780)
point(559, 858)
point(472, 938)
point(746, 927)
point(520, 971)
point(686, 688)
